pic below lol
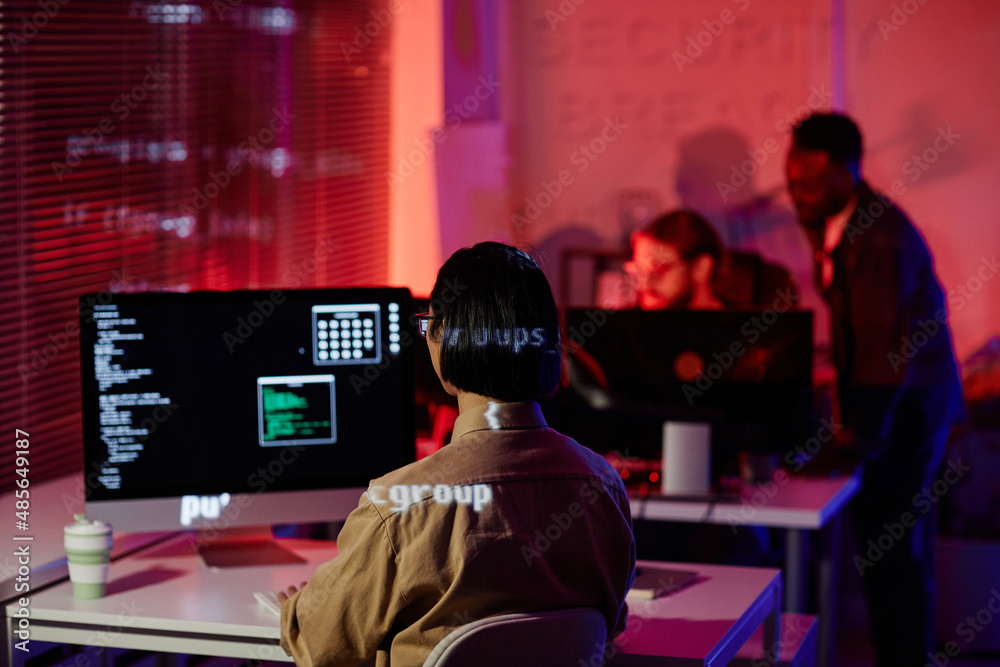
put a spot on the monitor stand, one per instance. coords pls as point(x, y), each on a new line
point(243, 547)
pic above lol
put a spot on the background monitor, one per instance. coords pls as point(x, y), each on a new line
point(748, 373)
point(219, 409)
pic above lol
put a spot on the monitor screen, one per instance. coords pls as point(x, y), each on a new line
point(243, 408)
point(748, 373)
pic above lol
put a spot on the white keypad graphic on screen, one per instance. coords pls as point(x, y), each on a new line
point(346, 334)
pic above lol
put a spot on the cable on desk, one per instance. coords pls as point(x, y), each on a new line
point(719, 494)
point(643, 502)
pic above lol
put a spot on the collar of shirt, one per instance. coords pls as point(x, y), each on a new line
point(836, 224)
point(495, 416)
point(834, 232)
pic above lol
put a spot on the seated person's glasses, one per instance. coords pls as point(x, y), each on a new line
point(638, 273)
point(424, 322)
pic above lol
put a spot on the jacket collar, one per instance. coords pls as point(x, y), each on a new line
point(499, 416)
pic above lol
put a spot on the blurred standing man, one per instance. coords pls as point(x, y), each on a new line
point(897, 381)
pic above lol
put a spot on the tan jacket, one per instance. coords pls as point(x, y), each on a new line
point(510, 517)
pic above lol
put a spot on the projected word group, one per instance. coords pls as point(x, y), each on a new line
point(516, 337)
point(403, 495)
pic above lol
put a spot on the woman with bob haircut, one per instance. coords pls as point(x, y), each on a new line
point(510, 517)
point(500, 337)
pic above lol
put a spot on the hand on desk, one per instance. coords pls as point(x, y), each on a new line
point(290, 591)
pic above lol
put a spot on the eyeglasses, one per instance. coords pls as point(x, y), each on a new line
point(641, 273)
point(424, 322)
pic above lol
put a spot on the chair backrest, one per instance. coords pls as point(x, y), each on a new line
point(746, 279)
point(556, 638)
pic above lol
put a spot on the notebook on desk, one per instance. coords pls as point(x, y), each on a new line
point(654, 582)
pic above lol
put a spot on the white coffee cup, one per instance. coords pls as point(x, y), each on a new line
point(88, 552)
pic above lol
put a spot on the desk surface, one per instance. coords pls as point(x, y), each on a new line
point(165, 599)
point(53, 504)
point(786, 502)
point(704, 623)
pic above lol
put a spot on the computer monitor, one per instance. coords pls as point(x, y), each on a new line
point(218, 409)
point(746, 372)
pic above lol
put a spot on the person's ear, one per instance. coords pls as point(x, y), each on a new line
point(702, 269)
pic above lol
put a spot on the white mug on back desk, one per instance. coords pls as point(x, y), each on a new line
point(687, 448)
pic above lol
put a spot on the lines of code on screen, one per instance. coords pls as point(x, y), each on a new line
point(297, 410)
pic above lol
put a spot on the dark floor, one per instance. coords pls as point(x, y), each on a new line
point(855, 649)
point(718, 544)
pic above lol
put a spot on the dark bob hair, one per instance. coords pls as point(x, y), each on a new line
point(834, 134)
point(499, 328)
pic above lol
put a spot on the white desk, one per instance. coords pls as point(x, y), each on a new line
point(797, 504)
point(53, 504)
point(705, 623)
point(164, 599)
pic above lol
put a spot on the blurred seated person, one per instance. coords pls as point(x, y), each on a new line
point(674, 259)
point(673, 266)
